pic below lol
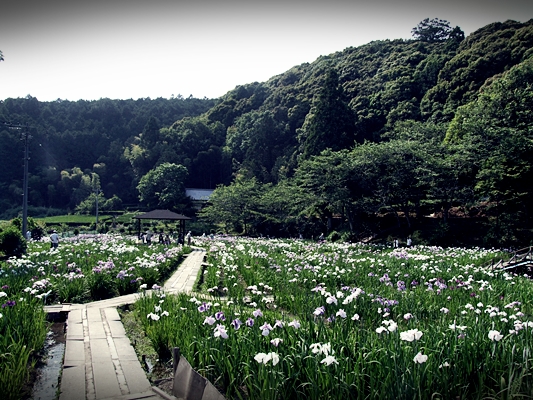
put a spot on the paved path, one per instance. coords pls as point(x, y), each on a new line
point(100, 362)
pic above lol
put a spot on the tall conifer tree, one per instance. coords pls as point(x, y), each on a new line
point(330, 123)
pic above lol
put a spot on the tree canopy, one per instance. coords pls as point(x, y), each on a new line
point(436, 30)
point(391, 134)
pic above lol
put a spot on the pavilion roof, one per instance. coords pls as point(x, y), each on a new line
point(162, 214)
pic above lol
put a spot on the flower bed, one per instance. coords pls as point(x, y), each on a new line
point(292, 319)
point(81, 269)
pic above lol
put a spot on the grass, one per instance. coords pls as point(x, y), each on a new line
point(86, 219)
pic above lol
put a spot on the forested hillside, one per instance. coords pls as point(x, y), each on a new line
point(78, 146)
point(403, 128)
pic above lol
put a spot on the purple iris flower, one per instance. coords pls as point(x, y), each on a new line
point(236, 323)
point(202, 307)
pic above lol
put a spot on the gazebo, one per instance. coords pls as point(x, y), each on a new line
point(165, 215)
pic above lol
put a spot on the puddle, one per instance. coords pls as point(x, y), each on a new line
point(47, 382)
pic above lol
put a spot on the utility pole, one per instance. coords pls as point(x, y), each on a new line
point(97, 192)
point(26, 137)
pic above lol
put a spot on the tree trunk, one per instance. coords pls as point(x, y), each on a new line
point(445, 210)
point(406, 213)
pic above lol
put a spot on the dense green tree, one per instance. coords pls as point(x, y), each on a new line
point(163, 187)
point(486, 53)
point(196, 144)
point(393, 173)
point(12, 243)
point(497, 130)
point(330, 123)
point(150, 133)
point(327, 178)
point(235, 208)
point(257, 141)
point(86, 135)
point(282, 210)
point(88, 206)
point(436, 30)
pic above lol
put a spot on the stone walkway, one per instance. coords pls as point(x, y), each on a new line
point(100, 362)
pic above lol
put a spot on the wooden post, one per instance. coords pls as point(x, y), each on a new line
point(175, 359)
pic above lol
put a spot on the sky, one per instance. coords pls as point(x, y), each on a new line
point(130, 49)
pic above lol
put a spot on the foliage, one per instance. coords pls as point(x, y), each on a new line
point(486, 53)
point(163, 187)
point(436, 30)
point(497, 129)
point(310, 320)
point(330, 122)
point(260, 144)
point(23, 330)
point(82, 269)
point(12, 243)
point(234, 207)
point(384, 106)
point(89, 135)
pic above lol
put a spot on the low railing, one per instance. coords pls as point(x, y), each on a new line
point(189, 384)
point(520, 261)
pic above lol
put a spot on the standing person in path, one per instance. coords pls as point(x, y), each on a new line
point(188, 236)
point(149, 235)
point(54, 240)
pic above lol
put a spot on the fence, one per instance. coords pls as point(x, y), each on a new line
point(189, 384)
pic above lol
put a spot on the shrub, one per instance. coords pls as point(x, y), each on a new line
point(334, 236)
point(101, 285)
point(12, 243)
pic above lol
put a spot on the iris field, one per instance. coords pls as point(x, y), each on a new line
point(276, 319)
point(279, 319)
point(82, 269)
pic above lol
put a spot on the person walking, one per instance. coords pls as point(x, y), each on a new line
point(54, 240)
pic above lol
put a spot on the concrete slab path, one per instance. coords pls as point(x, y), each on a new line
point(100, 362)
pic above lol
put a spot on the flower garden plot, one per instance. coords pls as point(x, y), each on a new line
point(88, 268)
point(82, 269)
point(307, 320)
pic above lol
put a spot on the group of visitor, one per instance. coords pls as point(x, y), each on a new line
point(164, 238)
point(408, 242)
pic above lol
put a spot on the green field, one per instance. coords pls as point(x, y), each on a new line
point(85, 219)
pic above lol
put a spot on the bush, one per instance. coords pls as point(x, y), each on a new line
point(101, 285)
point(334, 236)
point(12, 243)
